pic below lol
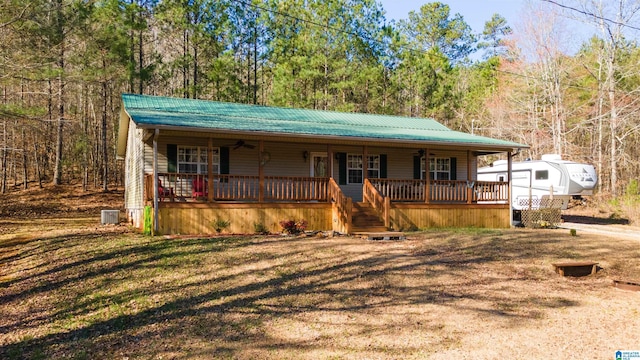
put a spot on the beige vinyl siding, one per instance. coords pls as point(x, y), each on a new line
point(134, 176)
point(288, 159)
point(243, 160)
point(399, 162)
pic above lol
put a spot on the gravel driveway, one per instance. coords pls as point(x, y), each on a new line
point(613, 230)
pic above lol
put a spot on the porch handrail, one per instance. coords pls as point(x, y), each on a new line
point(243, 187)
point(448, 191)
point(236, 187)
point(400, 189)
point(497, 191)
point(299, 188)
point(380, 203)
point(443, 191)
point(342, 207)
point(283, 188)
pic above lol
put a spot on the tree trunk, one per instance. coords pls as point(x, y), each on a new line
point(255, 64)
point(25, 170)
point(4, 158)
point(600, 161)
point(185, 65)
point(613, 125)
point(36, 157)
point(57, 172)
point(140, 60)
point(105, 149)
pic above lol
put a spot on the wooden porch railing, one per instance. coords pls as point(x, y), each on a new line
point(281, 188)
point(400, 190)
point(448, 191)
point(442, 191)
point(239, 187)
point(380, 203)
point(235, 187)
point(491, 191)
point(342, 207)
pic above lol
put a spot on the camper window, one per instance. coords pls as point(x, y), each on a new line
point(542, 175)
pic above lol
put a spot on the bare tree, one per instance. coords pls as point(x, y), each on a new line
point(544, 72)
point(614, 20)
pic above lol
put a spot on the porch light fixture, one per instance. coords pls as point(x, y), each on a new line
point(305, 155)
point(265, 157)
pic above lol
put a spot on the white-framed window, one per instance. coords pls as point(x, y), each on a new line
point(373, 166)
point(354, 168)
point(193, 160)
point(439, 168)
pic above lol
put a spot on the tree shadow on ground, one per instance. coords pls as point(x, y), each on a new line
point(581, 219)
point(222, 293)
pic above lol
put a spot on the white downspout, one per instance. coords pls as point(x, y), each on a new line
point(509, 176)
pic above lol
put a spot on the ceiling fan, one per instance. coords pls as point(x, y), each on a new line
point(241, 143)
point(421, 153)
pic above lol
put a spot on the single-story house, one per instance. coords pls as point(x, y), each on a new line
point(195, 162)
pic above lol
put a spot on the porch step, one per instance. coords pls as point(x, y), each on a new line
point(368, 229)
point(365, 219)
point(384, 235)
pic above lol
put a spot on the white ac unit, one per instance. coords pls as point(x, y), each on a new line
point(110, 217)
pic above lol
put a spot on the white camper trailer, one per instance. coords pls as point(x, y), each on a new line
point(535, 183)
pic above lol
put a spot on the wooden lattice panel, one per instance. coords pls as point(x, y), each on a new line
point(544, 213)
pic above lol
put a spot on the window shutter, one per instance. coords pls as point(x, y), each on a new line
point(224, 160)
point(383, 166)
point(342, 168)
point(453, 169)
point(416, 167)
point(172, 158)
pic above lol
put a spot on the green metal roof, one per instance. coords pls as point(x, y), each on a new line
point(175, 113)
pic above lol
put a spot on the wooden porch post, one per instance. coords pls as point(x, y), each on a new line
point(365, 163)
point(155, 181)
point(509, 160)
point(427, 186)
point(469, 188)
point(210, 170)
point(330, 168)
point(261, 171)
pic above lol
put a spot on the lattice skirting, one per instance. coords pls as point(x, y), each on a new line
point(544, 213)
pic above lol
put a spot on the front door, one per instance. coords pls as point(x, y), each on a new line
point(319, 165)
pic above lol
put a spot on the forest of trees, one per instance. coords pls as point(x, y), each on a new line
point(65, 63)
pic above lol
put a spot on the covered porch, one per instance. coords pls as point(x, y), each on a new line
point(189, 203)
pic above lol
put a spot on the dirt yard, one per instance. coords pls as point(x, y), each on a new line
point(71, 288)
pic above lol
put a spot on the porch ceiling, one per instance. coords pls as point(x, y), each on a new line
point(300, 125)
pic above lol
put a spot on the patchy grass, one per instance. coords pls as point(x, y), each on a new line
point(72, 289)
